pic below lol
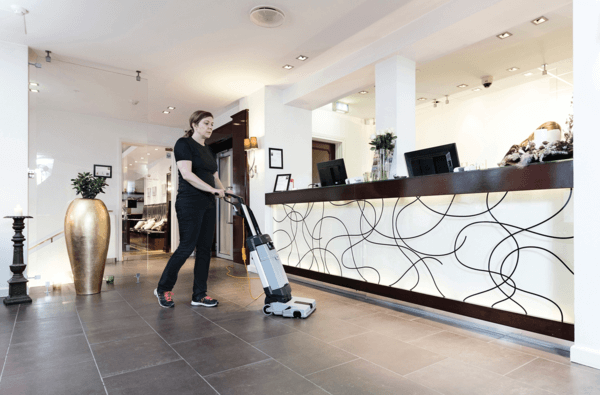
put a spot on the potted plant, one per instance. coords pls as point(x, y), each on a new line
point(383, 143)
point(87, 233)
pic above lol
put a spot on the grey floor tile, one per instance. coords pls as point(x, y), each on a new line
point(252, 380)
point(74, 379)
point(46, 330)
point(453, 377)
point(255, 327)
point(102, 297)
point(558, 378)
point(154, 312)
point(34, 356)
point(171, 378)
point(556, 355)
point(226, 310)
point(218, 353)
point(185, 328)
point(389, 353)
point(395, 327)
point(303, 353)
point(132, 354)
point(5, 340)
point(469, 332)
point(45, 311)
point(116, 329)
point(362, 377)
point(105, 311)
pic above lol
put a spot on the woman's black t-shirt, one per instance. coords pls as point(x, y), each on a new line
point(204, 165)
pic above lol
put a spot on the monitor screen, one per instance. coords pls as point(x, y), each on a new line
point(332, 172)
point(131, 203)
point(435, 160)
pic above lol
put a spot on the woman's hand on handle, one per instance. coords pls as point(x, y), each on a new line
point(219, 192)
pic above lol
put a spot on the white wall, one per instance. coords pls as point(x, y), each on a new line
point(73, 143)
point(353, 135)
point(586, 60)
point(486, 126)
point(13, 137)
point(157, 177)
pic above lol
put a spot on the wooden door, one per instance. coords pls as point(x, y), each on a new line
point(321, 152)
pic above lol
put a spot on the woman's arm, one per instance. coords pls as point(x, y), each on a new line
point(185, 168)
point(218, 183)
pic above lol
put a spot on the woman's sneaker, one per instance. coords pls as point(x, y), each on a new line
point(165, 299)
point(206, 301)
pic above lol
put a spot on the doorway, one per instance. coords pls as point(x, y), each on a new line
point(321, 152)
point(224, 210)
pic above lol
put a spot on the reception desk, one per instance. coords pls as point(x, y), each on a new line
point(494, 244)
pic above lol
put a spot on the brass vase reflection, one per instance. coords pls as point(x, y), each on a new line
point(87, 232)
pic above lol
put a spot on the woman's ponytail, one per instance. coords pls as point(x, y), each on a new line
point(195, 119)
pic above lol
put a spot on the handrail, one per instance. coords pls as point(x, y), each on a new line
point(51, 238)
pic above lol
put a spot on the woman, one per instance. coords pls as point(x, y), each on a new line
point(196, 210)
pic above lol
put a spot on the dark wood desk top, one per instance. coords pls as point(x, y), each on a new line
point(552, 175)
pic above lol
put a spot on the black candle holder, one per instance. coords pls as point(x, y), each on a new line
point(17, 285)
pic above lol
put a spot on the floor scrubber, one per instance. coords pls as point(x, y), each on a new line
point(264, 256)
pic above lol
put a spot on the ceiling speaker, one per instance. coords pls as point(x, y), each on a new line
point(266, 16)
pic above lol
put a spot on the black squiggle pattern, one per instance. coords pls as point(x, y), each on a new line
point(337, 254)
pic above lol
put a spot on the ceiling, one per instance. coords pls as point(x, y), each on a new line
point(137, 159)
point(207, 54)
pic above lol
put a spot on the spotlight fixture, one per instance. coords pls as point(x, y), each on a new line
point(539, 20)
point(170, 108)
point(528, 74)
point(476, 89)
point(544, 72)
point(363, 92)
point(37, 65)
point(302, 58)
point(155, 149)
point(422, 99)
point(435, 103)
point(48, 58)
point(288, 67)
point(504, 35)
point(166, 112)
point(513, 69)
point(462, 86)
point(34, 83)
point(138, 78)
point(33, 90)
point(447, 100)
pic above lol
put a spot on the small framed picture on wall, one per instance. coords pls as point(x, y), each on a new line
point(103, 171)
point(282, 182)
point(148, 192)
point(275, 158)
point(153, 191)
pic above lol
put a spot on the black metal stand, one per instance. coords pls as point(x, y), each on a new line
point(17, 285)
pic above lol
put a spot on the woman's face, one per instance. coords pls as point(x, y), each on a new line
point(204, 128)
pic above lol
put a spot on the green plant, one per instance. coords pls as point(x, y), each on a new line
point(88, 186)
point(383, 141)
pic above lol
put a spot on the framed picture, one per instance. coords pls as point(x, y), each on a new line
point(153, 191)
point(103, 171)
point(275, 158)
point(282, 182)
point(148, 192)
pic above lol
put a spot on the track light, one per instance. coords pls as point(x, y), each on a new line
point(447, 101)
point(48, 58)
point(544, 72)
point(37, 65)
point(138, 78)
point(435, 103)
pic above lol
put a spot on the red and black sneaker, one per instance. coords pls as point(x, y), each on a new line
point(206, 301)
point(165, 299)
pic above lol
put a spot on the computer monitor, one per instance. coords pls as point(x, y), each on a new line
point(131, 203)
point(332, 172)
point(435, 160)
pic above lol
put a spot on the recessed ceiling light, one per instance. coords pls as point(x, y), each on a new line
point(539, 20)
point(142, 157)
point(422, 98)
point(476, 89)
point(34, 90)
point(34, 83)
point(136, 161)
point(528, 74)
point(363, 92)
point(504, 35)
point(462, 86)
point(288, 67)
point(148, 153)
point(155, 149)
point(166, 112)
point(131, 164)
point(513, 69)
point(170, 108)
point(302, 58)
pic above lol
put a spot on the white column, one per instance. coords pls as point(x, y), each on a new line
point(14, 138)
point(395, 106)
point(586, 64)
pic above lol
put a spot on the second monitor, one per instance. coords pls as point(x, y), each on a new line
point(332, 172)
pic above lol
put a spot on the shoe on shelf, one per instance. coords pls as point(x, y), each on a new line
point(206, 301)
point(165, 299)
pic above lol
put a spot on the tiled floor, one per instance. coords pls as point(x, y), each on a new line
point(122, 342)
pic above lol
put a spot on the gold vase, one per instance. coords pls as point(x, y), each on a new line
point(87, 232)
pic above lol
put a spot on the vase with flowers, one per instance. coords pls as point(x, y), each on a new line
point(383, 144)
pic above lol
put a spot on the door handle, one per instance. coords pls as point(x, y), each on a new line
point(229, 223)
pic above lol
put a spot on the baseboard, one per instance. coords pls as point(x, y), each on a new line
point(585, 356)
point(111, 260)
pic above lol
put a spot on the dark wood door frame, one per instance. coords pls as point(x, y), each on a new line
point(237, 131)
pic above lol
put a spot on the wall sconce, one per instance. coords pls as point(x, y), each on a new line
point(251, 144)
